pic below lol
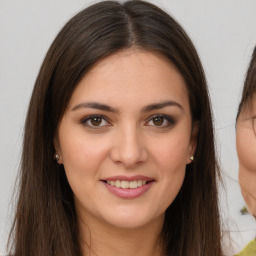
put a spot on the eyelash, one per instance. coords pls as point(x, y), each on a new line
point(87, 119)
point(170, 121)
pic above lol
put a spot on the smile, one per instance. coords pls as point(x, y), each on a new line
point(128, 187)
point(127, 184)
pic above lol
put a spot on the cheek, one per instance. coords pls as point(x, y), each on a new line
point(170, 157)
point(172, 173)
point(172, 152)
point(247, 180)
point(82, 156)
point(77, 146)
point(246, 148)
point(82, 160)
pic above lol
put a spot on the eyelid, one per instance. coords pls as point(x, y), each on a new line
point(84, 121)
point(171, 121)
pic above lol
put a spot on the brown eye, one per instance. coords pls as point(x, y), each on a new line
point(161, 121)
point(96, 121)
point(158, 121)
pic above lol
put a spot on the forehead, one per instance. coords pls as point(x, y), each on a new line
point(132, 76)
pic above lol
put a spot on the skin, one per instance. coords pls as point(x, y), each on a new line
point(128, 141)
point(246, 150)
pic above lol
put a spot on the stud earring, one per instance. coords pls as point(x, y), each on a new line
point(57, 157)
point(191, 158)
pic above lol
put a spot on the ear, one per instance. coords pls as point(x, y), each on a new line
point(56, 144)
point(193, 142)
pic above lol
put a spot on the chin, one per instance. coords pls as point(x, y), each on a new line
point(131, 219)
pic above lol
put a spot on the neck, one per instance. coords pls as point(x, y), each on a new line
point(113, 241)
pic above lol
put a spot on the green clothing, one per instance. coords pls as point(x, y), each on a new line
point(249, 250)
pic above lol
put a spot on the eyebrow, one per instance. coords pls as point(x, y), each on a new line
point(161, 105)
point(145, 109)
point(96, 106)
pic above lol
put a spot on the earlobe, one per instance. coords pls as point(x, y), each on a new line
point(57, 155)
point(193, 142)
point(57, 158)
point(191, 158)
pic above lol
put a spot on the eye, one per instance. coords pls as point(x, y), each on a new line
point(161, 121)
point(95, 121)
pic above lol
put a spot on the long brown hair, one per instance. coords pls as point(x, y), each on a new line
point(45, 221)
point(249, 88)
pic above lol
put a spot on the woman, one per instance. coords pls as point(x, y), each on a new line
point(121, 102)
point(246, 145)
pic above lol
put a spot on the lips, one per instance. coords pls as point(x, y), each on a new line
point(127, 184)
point(128, 187)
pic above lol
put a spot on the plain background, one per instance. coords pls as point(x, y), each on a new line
point(223, 31)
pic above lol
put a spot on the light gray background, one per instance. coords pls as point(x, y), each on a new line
point(224, 32)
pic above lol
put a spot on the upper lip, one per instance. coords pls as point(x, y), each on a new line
point(128, 178)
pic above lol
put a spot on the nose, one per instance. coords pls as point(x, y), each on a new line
point(129, 148)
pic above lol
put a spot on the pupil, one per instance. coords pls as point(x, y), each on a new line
point(158, 121)
point(96, 121)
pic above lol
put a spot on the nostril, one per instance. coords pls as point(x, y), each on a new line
point(128, 151)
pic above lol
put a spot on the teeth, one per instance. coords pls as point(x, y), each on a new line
point(127, 184)
point(133, 184)
point(117, 184)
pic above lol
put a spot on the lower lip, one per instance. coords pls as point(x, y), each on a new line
point(129, 193)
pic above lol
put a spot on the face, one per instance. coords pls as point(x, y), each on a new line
point(246, 150)
point(126, 138)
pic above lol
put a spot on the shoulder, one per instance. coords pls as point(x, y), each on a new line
point(249, 250)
